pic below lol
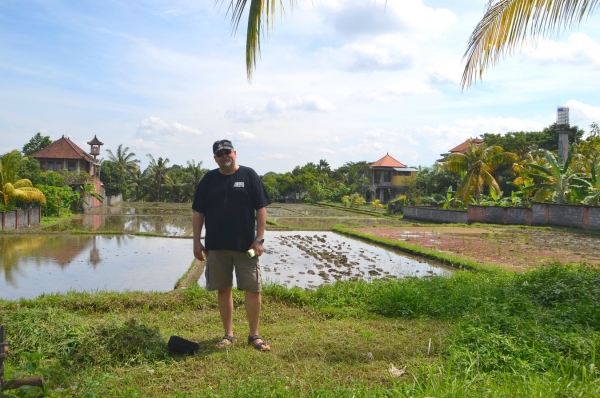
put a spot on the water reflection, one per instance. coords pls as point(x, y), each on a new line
point(32, 265)
point(128, 220)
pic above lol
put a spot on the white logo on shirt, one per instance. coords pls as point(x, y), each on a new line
point(239, 184)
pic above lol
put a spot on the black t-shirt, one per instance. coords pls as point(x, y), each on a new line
point(229, 204)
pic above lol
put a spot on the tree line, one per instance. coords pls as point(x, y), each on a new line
point(512, 169)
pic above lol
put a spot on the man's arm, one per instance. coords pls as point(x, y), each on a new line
point(197, 224)
point(261, 223)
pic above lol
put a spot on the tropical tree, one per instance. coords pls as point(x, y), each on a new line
point(478, 165)
point(508, 23)
point(555, 182)
point(36, 143)
point(157, 170)
point(125, 161)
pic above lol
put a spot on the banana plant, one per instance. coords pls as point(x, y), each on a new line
point(555, 182)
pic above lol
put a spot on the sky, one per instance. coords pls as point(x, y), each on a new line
point(344, 81)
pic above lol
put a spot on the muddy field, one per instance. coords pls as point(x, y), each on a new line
point(513, 248)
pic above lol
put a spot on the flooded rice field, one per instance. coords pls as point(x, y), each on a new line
point(32, 265)
point(167, 221)
point(310, 259)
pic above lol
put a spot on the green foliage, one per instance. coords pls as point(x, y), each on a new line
point(29, 168)
point(36, 143)
point(113, 178)
point(521, 142)
point(556, 182)
point(478, 164)
point(59, 200)
point(433, 180)
point(51, 178)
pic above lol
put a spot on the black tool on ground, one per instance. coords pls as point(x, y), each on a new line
point(37, 381)
point(182, 345)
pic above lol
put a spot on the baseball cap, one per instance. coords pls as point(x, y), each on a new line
point(222, 144)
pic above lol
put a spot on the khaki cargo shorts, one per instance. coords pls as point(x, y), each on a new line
point(219, 270)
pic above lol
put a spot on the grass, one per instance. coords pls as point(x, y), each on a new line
point(473, 334)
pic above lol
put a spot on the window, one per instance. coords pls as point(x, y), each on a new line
point(50, 166)
point(387, 176)
point(58, 166)
point(71, 166)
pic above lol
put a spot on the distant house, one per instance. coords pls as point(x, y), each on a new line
point(65, 154)
point(389, 178)
point(460, 148)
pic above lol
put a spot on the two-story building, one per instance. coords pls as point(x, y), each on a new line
point(65, 154)
point(389, 178)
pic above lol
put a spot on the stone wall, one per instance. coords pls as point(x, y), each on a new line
point(594, 218)
point(18, 219)
point(435, 215)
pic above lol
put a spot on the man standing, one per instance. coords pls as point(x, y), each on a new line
point(226, 202)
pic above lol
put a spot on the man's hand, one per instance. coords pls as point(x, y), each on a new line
point(257, 247)
point(199, 250)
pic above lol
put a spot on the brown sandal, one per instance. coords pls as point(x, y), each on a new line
point(258, 346)
point(222, 344)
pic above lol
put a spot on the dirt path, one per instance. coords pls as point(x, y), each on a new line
point(509, 247)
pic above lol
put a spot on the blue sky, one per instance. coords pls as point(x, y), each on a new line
point(337, 80)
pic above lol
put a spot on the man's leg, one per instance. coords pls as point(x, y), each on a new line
point(225, 302)
point(252, 303)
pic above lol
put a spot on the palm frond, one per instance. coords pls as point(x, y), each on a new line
point(258, 9)
point(508, 23)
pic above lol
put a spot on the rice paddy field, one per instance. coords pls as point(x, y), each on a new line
point(516, 315)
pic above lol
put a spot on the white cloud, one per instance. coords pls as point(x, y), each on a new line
point(381, 53)
point(579, 49)
point(396, 91)
point(358, 17)
point(154, 133)
point(277, 106)
point(245, 136)
point(583, 114)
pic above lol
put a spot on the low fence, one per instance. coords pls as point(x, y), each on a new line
point(435, 215)
point(540, 214)
point(18, 219)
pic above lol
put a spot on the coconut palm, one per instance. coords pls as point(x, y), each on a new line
point(477, 165)
point(508, 23)
point(126, 161)
point(555, 182)
point(157, 170)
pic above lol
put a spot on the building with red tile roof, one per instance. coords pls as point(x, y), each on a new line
point(389, 178)
point(65, 154)
point(461, 148)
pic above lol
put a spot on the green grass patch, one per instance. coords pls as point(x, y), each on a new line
point(472, 334)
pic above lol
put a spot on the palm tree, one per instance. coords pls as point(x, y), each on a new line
point(158, 170)
point(125, 160)
point(555, 182)
point(478, 165)
point(508, 23)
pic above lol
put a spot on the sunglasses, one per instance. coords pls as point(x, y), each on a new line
point(223, 152)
